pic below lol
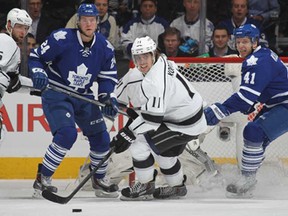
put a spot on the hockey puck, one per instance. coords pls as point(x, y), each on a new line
point(76, 210)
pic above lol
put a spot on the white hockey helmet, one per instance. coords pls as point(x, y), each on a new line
point(18, 16)
point(143, 45)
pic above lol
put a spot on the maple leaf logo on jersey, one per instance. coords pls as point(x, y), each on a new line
point(79, 79)
point(252, 61)
point(60, 35)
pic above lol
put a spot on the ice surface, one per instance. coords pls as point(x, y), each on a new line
point(270, 199)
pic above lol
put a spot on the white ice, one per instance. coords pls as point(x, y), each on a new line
point(270, 199)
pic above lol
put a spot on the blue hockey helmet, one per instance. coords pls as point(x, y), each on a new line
point(247, 30)
point(87, 10)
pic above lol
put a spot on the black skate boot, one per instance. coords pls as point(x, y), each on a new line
point(42, 183)
point(171, 192)
point(139, 191)
point(103, 188)
point(242, 188)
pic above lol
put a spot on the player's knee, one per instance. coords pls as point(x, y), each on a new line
point(166, 162)
point(99, 142)
point(65, 137)
point(254, 133)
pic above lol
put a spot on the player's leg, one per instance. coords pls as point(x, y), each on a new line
point(92, 124)
point(143, 162)
point(257, 136)
point(60, 116)
point(172, 170)
point(167, 145)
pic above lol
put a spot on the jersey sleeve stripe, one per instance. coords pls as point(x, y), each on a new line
point(108, 72)
point(108, 77)
point(245, 99)
point(245, 88)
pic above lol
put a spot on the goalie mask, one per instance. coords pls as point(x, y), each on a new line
point(143, 45)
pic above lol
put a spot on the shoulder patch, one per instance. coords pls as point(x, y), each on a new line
point(60, 35)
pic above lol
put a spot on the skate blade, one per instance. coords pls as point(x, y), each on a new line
point(247, 195)
point(147, 197)
point(170, 197)
point(104, 194)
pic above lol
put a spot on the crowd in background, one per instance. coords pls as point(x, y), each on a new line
point(173, 24)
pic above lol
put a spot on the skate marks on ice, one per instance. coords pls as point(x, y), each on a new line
point(270, 199)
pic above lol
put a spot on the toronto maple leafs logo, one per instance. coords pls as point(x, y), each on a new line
point(60, 35)
point(79, 79)
point(252, 61)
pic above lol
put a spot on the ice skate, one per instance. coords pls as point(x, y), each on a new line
point(139, 191)
point(104, 189)
point(171, 192)
point(42, 183)
point(242, 188)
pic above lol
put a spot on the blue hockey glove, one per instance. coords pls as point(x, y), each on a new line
point(215, 113)
point(111, 105)
point(39, 78)
point(122, 140)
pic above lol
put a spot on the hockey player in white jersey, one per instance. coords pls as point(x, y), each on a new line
point(17, 26)
point(264, 79)
point(171, 115)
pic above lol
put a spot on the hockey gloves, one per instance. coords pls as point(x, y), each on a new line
point(122, 140)
point(215, 113)
point(14, 84)
point(111, 107)
point(39, 78)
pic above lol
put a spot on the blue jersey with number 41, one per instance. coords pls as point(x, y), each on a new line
point(264, 78)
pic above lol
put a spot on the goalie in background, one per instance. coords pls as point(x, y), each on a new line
point(162, 127)
point(264, 80)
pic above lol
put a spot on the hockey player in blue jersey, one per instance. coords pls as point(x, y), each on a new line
point(73, 59)
point(264, 79)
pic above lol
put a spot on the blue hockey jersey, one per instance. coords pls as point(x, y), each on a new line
point(68, 63)
point(264, 79)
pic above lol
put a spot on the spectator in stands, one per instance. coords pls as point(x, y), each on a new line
point(31, 43)
point(283, 18)
point(220, 38)
point(189, 25)
point(169, 9)
point(171, 39)
point(34, 10)
point(123, 13)
point(107, 24)
point(147, 24)
point(54, 15)
point(218, 10)
point(240, 17)
point(267, 13)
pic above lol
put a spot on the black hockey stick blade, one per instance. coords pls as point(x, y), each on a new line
point(63, 200)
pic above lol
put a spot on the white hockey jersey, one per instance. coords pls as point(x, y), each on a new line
point(165, 96)
point(9, 61)
point(129, 87)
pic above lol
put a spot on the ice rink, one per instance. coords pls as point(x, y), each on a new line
point(270, 199)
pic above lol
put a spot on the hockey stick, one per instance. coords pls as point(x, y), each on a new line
point(63, 200)
point(75, 95)
point(70, 93)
